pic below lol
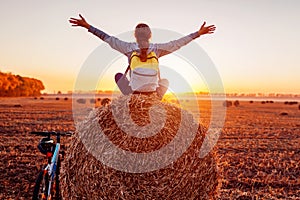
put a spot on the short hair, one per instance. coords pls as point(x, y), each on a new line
point(142, 31)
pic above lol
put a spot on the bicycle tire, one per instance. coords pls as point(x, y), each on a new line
point(54, 191)
point(41, 186)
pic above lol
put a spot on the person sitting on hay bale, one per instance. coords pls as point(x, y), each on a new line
point(142, 56)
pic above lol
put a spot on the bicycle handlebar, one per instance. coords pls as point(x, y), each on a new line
point(48, 133)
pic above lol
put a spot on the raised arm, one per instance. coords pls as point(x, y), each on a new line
point(115, 43)
point(169, 47)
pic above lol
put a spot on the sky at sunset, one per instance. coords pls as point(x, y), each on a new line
point(255, 47)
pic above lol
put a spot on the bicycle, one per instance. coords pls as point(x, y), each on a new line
point(47, 183)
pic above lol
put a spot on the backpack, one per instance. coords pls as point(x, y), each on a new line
point(144, 76)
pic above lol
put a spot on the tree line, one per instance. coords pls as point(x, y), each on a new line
point(17, 86)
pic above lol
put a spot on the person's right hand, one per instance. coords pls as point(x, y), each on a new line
point(206, 29)
point(79, 22)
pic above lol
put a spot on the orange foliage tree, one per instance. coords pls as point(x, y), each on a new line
point(15, 86)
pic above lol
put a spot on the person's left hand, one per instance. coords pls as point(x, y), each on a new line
point(206, 29)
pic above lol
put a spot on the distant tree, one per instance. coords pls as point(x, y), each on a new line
point(15, 85)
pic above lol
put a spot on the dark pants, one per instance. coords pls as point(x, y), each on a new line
point(123, 84)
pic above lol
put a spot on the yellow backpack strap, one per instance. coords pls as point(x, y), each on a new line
point(135, 60)
point(152, 55)
point(128, 68)
point(135, 54)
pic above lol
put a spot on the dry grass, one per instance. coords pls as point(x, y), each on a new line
point(258, 151)
point(20, 160)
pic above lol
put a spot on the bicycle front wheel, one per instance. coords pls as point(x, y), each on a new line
point(41, 186)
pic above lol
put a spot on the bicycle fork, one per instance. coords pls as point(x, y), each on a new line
point(52, 169)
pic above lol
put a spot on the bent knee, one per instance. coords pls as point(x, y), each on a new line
point(163, 82)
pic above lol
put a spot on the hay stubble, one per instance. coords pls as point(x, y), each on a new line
point(189, 177)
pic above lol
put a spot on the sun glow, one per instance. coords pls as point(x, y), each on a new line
point(181, 75)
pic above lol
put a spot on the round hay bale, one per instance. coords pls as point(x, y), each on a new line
point(227, 103)
point(236, 103)
point(92, 101)
point(81, 101)
point(283, 113)
point(84, 176)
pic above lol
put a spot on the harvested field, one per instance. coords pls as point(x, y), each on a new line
point(20, 158)
point(258, 151)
